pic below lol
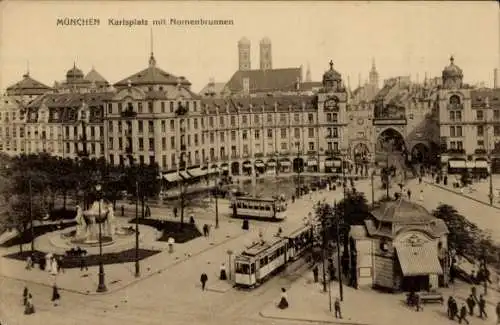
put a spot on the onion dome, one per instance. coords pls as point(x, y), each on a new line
point(74, 73)
point(332, 74)
point(452, 70)
point(244, 41)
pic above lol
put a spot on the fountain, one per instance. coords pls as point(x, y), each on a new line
point(87, 231)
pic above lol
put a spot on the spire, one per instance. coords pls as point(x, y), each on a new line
point(373, 65)
point(359, 80)
point(27, 74)
point(452, 59)
point(308, 73)
point(152, 60)
point(331, 64)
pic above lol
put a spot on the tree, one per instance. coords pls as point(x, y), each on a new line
point(19, 215)
point(354, 208)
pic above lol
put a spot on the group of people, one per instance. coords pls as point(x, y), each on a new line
point(51, 263)
point(29, 307)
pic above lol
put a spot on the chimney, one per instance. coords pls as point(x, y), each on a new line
point(496, 78)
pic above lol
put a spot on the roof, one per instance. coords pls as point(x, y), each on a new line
point(28, 86)
point(419, 259)
point(265, 80)
point(452, 70)
point(94, 76)
point(484, 97)
point(258, 104)
point(244, 41)
point(212, 87)
point(152, 76)
point(74, 73)
point(402, 211)
point(310, 85)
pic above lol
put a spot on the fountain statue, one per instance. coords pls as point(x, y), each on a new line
point(100, 212)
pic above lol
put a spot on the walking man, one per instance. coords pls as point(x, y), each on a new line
point(463, 315)
point(315, 273)
point(497, 310)
point(409, 194)
point(482, 307)
point(338, 313)
point(471, 303)
point(203, 280)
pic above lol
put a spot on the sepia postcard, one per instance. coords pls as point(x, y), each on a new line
point(249, 162)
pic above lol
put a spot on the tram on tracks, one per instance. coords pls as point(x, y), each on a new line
point(259, 262)
point(272, 209)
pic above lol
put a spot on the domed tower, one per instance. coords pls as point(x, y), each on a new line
point(266, 58)
point(244, 54)
point(452, 76)
point(74, 74)
point(332, 80)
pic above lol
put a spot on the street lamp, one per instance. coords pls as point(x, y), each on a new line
point(31, 219)
point(137, 267)
point(102, 285)
point(337, 219)
point(373, 188)
point(299, 169)
point(229, 254)
point(217, 199)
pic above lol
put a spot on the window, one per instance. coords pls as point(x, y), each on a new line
point(139, 107)
point(256, 119)
point(480, 131)
point(163, 127)
point(173, 161)
point(336, 146)
point(164, 161)
point(212, 137)
point(310, 118)
point(233, 135)
point(163, 109)
point(222, 138)
point(296, 132)
point(458, 115)
point(195, 123)
point(284, 146)
point(496, 130)
point(172, 125)
point(233, 120)
point(151, 144)
point(244, 134)
point(110, 143)
point(460, 145)
point(110, 108)
point(172, 109)
point(172, 142)
point(140, 125)
point(311, 146)
point(211, 121)
point(329, 117)
point(310, 132)
point(195, 106)
point(296, 117)
point(452, 131)
point(283, 118)
point(150, 126)
point(335, 132)
point(245, 149)
point(283, 133)
point(479, 115)
point(244, 119)
point(257, 134)
point(335, 117)
point(452, 115)
point(141, 144)
point(221, 120)
point(196, 142)
point(150, 107)
point(459, 131)
point(496, 114)
point(480, 143)
point(270, 133)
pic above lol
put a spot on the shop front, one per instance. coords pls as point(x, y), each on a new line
point(312, 165)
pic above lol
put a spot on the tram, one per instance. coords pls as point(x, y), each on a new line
point(273, 209)
point(260, 261)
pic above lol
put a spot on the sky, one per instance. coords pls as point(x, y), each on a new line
point(409, 38)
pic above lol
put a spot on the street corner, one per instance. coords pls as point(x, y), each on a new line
point(291, 314)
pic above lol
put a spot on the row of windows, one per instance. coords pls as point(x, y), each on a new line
point(150, 106)
point(456, 131)
point(456, 115)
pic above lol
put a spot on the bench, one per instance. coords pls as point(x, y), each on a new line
point(431, 297)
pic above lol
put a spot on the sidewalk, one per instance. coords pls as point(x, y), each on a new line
point(363, 306)
point(119, 276)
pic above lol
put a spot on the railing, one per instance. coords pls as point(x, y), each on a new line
point(224, 157)
point(234, 156)
point(480, 151)
point(311, 152)
point(332, 152)
point(259, 155)
point(456, 151)
point(455, 106)
point(128, 114)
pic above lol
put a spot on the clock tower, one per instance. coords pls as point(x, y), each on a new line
point(332, 121)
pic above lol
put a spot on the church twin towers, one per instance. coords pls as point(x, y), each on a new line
point(266, 59)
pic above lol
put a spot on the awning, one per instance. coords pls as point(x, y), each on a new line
point(285, 163)
point(470, 164)
point(224, 167)
point(419, 260)
point(247, 164)
point(260, 164)
point(457, 163)
point(481, 164)
point(328, 163)
point(337, 163)
point(172, 177)
point(197, 172)
point(312, 162)
point(184, 174)
point(271, 163)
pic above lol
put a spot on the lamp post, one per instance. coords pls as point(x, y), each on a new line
point(299, 169)
point(229, 254)
point(137, 266)
point(337, 219)
point(217, 199)
point(31, 218)
point(102, 285)
point(373, 188)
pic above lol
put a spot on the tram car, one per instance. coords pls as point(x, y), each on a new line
point(260, 261)
point(272, 209)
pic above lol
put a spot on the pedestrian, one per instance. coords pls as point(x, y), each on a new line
point(25, 296)
point(175, 212)
point(454, 309)
point(338, 313)
point(60, 260)
point(463, 315)
point(208, 230)
point(205, 230)
point(203, 280)
point(482, 307)
point(449, 311)
point(55, 295)
point(123, 211)
point(497, 310)
point(29, 307)
point(409, 194)
point(29, 263)
point(418, 303)
point(283, 304)
point(171, 242)
point(315, 273)
point(420, 180)
point(421, 198)
point(83, 263)
point(223, 274)
point(471, 303)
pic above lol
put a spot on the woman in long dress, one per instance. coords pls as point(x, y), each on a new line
point(54, 267)
point(283, 304)
point(29, 308)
